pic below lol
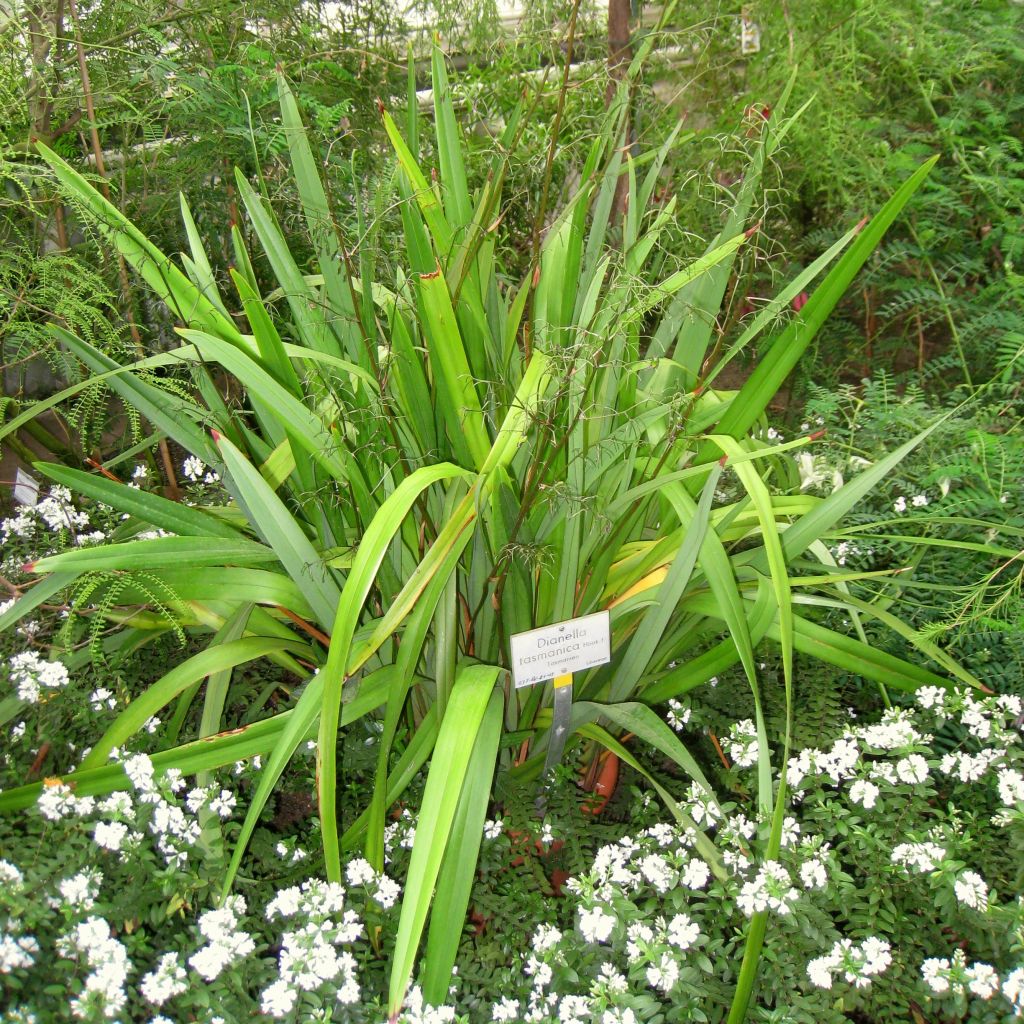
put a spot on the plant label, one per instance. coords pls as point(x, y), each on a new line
point(561, 649)
point(26, 488)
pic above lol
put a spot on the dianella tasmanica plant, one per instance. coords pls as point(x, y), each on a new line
point(425, 465)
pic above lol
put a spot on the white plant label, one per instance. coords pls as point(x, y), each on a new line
point(26, 488)
point(561, 649)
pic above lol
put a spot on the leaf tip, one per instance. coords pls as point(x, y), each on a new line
point(28, 567)
point(215, 434)
point(752, 231)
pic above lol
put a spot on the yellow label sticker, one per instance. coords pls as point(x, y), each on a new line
point(565, 680)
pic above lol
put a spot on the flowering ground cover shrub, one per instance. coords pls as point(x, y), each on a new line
point(119, 926)
point(897, 883)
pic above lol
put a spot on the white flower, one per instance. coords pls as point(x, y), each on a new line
point(839, 762)
point(31, 674)
point(864, 792)
point(116, 804)
point(545, 937)
point(894, 732)
point(506, 1010)
point(813, 874)
point(619, 1016)
point(696, 874)
point(931, 697)
point(108, 959)
point(819, 970)
point(1011, 786)
point(678, 715)
point(682, 931)
point(971, 890)
point(166, 980)
point(196, 799)
point(771, 889)
point(858, 964)
point(912, 769)
point(360, 872)
point(790, 831)
point(639, 937)
point(610, 981)
point(10, 875)
point(742, 744)
point(57, 801)
point(193, 468)
point(934, 972)
point(109, 834)
point(223, 804)
point(493, 829)
point(657, 871)
point(975, 718)
point(877, 955)
point(227, 942)
point(1013, 989)
point(814, 472)
point(17, 953)
point(921, 857)
point(574, 1010)
point(278, 999)
point(596, 925)
point(982, 980)
point(703, 807)
point(664, 973)
point(387, 892)
point(80, 891)
point(900, 504)
point(101, 698)
point(919, 500)
point(139, 769)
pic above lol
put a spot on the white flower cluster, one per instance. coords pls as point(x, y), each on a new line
point(309, 957)
point(382, 889)
point(31, 675)
point(742, 745)
point(165, 981)
point(195, 469)
point(104, 992)
point(78, 892)
point(56, 512)
point(920, 857)
point(771, 889)
point(847, 549)
point(57, 801)
point(17, 951)
point(416, 1011)
point(400, 833)
point(971, 890)
point(678, 715)
point(955, 977)
point(858, 964)
point(175, 832)
point(226, 941)
point(917, 501)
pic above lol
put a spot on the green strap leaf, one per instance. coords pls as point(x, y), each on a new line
point(452, 752)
